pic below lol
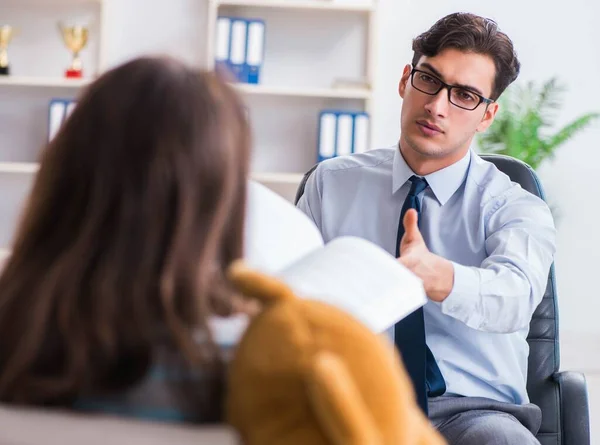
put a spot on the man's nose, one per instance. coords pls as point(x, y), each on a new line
point(439, 104)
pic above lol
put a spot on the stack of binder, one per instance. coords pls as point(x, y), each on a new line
point(58, 112)
point(342, 133)
point(239, 48)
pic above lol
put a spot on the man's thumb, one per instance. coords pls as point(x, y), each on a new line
point(411, 226)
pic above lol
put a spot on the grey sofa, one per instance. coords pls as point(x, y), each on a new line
point(47, 427)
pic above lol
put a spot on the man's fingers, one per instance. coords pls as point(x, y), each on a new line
point(411, 226)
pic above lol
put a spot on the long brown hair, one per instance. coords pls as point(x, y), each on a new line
point(136, 212)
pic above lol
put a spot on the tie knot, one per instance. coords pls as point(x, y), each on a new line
point(418, 185)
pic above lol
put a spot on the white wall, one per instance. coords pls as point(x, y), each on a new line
point(136, 27)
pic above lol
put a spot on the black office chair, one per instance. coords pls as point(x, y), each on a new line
point(562, 396)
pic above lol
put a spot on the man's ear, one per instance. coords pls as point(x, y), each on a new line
point(404, 80)
point(488, 117)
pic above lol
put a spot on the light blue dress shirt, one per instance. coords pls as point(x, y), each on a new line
point(499, 237)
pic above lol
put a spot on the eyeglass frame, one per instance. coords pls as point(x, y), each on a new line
point(482, 99)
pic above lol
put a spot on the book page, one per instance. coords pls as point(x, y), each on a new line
point(276, 232)
point(360, 278)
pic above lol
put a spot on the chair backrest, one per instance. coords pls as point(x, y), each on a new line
point(46, 427)
point(544, 354)
point(543, 330)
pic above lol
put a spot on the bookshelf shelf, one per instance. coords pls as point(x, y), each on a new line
point(278, 178)
point(19, 167)
point(318, 5)
point(31, 168)
point(334, 93)
point(48, 82)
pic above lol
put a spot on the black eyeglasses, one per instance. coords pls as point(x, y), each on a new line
point(459, 96)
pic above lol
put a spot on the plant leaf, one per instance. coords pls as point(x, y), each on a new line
point(569, 130)
point(522, 126)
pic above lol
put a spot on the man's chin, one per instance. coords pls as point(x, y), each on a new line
point(425, 148)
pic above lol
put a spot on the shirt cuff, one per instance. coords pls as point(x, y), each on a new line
point(464, 297)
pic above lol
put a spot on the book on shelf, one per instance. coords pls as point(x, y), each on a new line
point(58, 112)
point(342, 133)
point(239, 48)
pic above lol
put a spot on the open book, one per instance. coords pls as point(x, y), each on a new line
point(360, 278)
point(348, 272)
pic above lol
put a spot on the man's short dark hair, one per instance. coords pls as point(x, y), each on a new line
point(471, 33)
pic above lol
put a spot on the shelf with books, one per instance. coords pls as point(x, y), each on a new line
point(319, 5)
point(19, 167)
point(293, 60)
point(334, 93)
point(47, 82)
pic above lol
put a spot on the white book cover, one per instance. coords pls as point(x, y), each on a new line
point(344, 134)
point(238, 42)
point(222, 39)
point(256, 39)
point(56, 116)
point(70, 108)
point(276, 232)
point(361, 133)
point(327, 135)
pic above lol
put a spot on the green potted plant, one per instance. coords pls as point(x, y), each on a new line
point(524, 126)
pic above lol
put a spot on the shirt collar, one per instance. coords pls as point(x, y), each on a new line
point(443, 183)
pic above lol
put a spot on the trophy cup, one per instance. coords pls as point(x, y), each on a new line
point(75, 39)
point(6, 34)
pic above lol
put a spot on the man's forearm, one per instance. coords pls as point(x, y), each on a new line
point(439, 288)
point(497, 299)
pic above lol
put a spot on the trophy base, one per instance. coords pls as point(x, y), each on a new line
point(73, 74)
point(4, 70)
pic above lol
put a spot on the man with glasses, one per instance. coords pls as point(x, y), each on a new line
point(482, 245)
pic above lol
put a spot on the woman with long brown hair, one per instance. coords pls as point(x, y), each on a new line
point(119, 259)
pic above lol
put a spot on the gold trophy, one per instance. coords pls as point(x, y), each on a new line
point(6, 34)
point(75, 39)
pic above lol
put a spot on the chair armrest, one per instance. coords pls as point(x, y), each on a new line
point(574, 408)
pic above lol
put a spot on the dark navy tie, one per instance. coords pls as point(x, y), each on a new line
point(409, 332)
